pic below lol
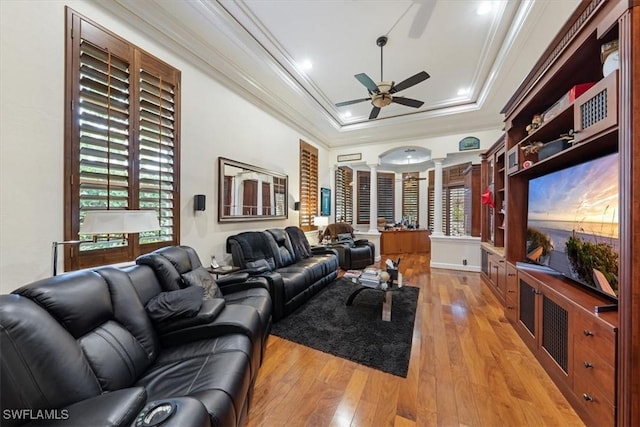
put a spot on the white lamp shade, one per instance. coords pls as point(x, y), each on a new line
point(321, 221)
point(119, 222)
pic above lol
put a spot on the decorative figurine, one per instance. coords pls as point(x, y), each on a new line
point(536, 122)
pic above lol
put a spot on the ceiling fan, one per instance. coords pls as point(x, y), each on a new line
point(382, 93)
point(411, 179)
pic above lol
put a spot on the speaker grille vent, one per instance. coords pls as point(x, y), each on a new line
point(594, 109)
point(555, 331)
point(527, 306)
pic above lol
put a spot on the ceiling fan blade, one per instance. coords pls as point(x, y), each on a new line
point(407, 101)
point(374, 113)
point(411, 81)
point(355, 101)
point(367, 82)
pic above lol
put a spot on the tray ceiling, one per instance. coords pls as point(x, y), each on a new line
point(476, 52)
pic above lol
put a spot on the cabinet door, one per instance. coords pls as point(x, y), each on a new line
point(527, 307)
point(555, 343)
point(596, 110)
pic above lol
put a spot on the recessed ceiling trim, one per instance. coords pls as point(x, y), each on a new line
point(187, 42)
point(509, 40)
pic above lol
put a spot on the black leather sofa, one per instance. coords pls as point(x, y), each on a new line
point(295, 271)
point(83, 348)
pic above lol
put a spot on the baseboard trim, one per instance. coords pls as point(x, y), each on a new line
point(448, 266)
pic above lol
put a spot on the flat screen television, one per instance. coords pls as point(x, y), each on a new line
point(572, 224)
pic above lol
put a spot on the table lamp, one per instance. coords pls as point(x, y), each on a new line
point(116, 221)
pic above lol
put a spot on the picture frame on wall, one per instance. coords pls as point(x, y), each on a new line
point(469, 143)
point(325, 201)
point(349, 157)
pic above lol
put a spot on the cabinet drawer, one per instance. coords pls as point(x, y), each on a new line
point(511, 307)
point(592, 333)
point(592, 397)
point(512, 279)
point(589, 366)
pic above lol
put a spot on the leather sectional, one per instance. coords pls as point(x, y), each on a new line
point(295, 271)
point(83, 348)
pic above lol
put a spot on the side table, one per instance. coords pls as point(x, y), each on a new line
point(221, 271)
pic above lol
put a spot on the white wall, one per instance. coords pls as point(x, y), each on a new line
point(215, 122)
point(444, 146)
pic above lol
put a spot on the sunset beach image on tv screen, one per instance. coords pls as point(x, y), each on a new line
point(572, 217)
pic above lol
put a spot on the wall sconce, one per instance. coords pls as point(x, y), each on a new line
point(199, 202)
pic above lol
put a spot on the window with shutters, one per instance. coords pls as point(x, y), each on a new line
point(344, 194)
point(410, 198)
point(363, 179)
point(385, 193)
point(121, 141)
point(453, 200)
point(386, 196)
point(308, 185)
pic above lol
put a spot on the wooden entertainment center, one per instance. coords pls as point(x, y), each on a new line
point(592, 356)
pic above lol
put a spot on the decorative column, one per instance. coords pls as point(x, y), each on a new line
point(437, 202)
point(373, 199)
point(334, 192)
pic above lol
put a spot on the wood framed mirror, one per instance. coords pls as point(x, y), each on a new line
point(250, 193)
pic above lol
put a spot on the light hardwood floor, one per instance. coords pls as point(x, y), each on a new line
point(468, 367)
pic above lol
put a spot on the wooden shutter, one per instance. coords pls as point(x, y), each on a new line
point(344, 194)
point(364, 197)
point(279, 195)
point(455, 211)
point(121, 141)
point(410, 196)
point(104, 121)
point(308, 185)
point(266, 199)
point(249, 197)
point(157, 139)
point(386, 196)
point(452, 199)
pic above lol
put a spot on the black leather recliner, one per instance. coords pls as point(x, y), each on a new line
point(82, 348)
point(353, 253)
point(238, 290)
point(294, 270)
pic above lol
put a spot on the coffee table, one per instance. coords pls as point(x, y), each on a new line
point(395, 285)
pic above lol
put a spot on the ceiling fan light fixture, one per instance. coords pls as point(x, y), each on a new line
point(385, 87)
point(381, 100)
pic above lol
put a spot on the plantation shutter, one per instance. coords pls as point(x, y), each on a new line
point(410, 198)
point(104, 130)
point(344, 194)
point(452, 200)
point(308, 185)
point(364, 197)
point(157, 136)
point(121, 142)
point(455, 211)
point(386, 196)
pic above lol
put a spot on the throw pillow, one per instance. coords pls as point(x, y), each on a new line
point(175, 304)
point(201, 277)
point(345, 238)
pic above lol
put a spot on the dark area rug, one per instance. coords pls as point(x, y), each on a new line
point(357, 332)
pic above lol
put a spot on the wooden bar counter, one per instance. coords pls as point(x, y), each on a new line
point(405, 241)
